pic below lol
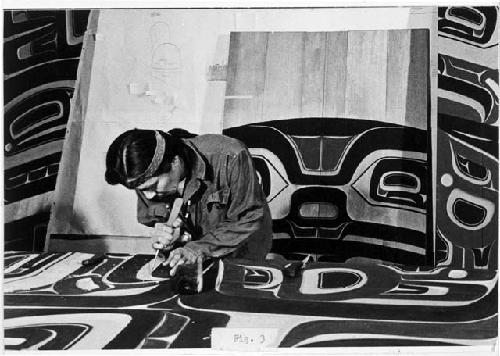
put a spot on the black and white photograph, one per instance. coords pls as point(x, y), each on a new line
point(251, 179)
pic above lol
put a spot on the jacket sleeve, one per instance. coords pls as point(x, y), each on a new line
point(245, 211)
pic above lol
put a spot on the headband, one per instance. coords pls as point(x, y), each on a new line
point(153, 166)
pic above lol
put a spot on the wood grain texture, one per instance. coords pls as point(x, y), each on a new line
point(398, 62)
point(366, 75)
point(372, 75)
point(417, 95)
point(313, 79)
point(284, 76)
point(335, 74)
point(245, 78)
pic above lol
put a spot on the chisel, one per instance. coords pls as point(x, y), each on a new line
point(174, 214)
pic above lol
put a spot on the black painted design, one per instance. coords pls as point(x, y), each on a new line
point(400, 181)
point(120, 275)
point(467, 187)
point(355, 239)
point(375, 333)
point(63, 329)
point(467, 141)
point(41, 55)
point(32, 178)
point(37, 119)
point(382, 293)
point(113, 305)
point(460, 78)
point(34, 226)
point(370, 136)
point(40, 71)
point(330, 175)
point(474, 25)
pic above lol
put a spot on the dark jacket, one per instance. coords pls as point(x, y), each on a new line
point(228, 212)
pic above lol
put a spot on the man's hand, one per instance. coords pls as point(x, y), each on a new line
point(163, 236)
point(181, 256)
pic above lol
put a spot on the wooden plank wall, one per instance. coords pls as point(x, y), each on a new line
point(356, 74)
point(246, 76)
point(335, 74)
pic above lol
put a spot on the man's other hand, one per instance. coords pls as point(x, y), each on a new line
point(180, 256)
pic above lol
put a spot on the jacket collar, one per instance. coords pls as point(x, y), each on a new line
point(198, 172)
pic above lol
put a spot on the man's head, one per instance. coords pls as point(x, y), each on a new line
point(164, 184)
point(148, 160)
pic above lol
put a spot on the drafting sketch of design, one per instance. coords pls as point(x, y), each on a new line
point(165, 67)
point(41, 56)
point(53, 302)
point(467, 139)
point(165, 56)
point(342, 188)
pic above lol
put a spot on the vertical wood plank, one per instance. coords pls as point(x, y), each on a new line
point(284, 71)
point(417, 97)
point(335, 74)
point(314, 74)
point(245, 78)
point(67, 178)
point(366, 75)
point(398, 61)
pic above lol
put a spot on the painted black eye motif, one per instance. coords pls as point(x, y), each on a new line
point(471, 169)
point(468, 213)
point(402, 186)
point(401, 179)
point(467, 16)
